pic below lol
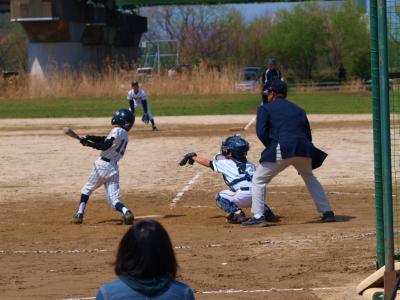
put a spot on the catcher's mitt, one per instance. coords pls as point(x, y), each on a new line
point(188, 158)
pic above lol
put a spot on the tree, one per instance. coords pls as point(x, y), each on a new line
point(205, 34)
point(298, 39)
point(253, 50)
point(12, 44)
point(349, 43)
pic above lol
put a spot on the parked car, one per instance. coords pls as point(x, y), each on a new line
point(144, 73)
point(179, 69)
point(250, 79)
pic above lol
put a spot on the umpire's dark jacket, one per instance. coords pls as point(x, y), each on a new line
point(283, 122)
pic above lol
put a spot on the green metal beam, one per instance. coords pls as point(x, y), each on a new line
point(390, 274)
point(142, 3)
point(376, 114)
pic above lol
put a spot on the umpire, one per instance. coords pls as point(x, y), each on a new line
point(270, 74)
point(284, 130)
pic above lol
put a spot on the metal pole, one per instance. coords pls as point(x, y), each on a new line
point(380, 248)
point(158, 58)
point(390, 274)
point(177, 53)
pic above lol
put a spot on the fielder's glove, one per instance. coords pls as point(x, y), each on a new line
point(188, 158)
point(145, 118)
point(84, 141)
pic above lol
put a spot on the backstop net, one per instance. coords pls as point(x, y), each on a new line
point(393, 42)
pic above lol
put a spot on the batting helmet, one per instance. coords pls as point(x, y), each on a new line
point(124, 118)
point(237, 145)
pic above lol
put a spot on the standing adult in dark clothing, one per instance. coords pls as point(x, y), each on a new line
point(342, 73)
point(284, 130)
point(270, 74)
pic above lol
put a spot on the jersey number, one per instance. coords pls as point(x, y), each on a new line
point(121, 148)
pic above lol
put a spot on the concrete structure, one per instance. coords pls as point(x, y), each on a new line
point(76, 33)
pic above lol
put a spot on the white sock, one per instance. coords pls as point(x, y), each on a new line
point(124, 210)
point(257, 216)
point(81, 209)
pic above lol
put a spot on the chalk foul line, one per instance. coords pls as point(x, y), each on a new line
point(234, 291)
point(186, 188)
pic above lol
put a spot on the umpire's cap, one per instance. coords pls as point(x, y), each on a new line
point(272, 61)
point(278, 87)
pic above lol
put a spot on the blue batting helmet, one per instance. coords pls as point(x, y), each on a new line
point(124, 118)
point(237, 145)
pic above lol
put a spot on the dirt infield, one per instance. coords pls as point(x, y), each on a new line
point(44, 256)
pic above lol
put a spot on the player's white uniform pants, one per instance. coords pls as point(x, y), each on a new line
point(107, 174)
point(268, 170)
point(229, 201)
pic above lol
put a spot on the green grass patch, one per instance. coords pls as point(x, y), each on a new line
point(174, 105)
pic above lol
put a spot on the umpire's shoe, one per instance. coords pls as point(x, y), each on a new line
point(255, 222)
point(128, 218)
point(269, 215)
point(236, 217)
point(328, 217)
point(78, 219)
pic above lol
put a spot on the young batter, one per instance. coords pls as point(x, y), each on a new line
point(137, 99)
point(105, 169)
point(237, 172)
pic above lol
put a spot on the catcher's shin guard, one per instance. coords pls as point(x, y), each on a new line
point(226, 204)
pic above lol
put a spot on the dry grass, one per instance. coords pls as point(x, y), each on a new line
point(116, 82)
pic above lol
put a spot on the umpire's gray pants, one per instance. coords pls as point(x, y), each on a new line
point(268, 170)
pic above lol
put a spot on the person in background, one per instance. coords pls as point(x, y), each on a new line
point(270, 74)
point(342, 73)
point(146, 267)
point(138, 100)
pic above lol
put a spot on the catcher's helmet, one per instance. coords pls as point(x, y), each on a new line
point(124, 118)
point(237, 145)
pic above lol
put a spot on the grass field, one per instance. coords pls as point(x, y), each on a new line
point(316, 102)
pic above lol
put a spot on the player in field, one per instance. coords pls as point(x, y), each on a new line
point(105, 169)
point(137, 99)
point(237, 172)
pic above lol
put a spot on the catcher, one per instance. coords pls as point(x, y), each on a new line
point(237, 172)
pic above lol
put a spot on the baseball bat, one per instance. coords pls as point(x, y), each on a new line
point(70, 132)
point(245, 127)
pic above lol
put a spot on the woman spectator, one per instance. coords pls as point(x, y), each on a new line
point(146, 267)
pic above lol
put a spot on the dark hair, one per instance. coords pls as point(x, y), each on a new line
point(146, 251)
point(134, 83)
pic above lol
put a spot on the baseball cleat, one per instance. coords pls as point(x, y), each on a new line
point(236, 218)
point(328, 217)
point(255, 222)
point(78, 219)
point(128, 218)
point(155, 128)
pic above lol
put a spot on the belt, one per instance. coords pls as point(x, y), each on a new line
point(245, 188)
point(105, 159)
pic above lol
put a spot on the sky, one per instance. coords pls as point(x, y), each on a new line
point(254, 10)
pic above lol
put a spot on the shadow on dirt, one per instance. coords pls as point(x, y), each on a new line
point(339, 218)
